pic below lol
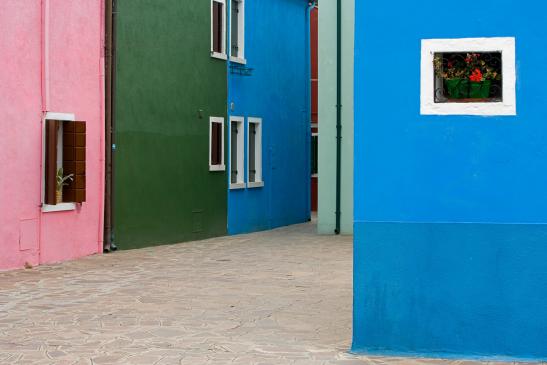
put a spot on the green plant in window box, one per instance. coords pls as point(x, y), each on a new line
point(469, 77)
point(62, 181)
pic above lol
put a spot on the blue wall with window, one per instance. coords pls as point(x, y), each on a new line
point(450, 211)
point(277, 49)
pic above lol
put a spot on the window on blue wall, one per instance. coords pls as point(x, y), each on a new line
point(237, 31)
point(468, 77)
point(237, 144)
point(254, 153)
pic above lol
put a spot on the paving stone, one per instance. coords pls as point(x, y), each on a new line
point(282, 297)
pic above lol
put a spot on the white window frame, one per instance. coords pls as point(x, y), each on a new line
point(47, 208)
point(222, 166)
point(241, 34)
point(505, 45)
point(214, 54)
point(258, 153)
point(240, 184)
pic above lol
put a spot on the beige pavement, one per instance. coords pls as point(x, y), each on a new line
point(277, 297)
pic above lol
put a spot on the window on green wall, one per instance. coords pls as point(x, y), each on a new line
point(218, 29)
point(237, 33)
point(216, 144)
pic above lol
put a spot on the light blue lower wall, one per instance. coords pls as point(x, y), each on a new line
point(436, 289)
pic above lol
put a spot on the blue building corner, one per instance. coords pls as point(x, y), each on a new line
point(450, 210)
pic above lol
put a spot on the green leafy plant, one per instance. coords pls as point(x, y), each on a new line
point(476, 67)
point(63, 180)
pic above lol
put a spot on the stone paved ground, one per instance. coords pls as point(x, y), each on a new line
point(278, 297)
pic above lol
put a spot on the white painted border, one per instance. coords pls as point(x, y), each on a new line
point(240, 155)
point(504, 45)
point(46, 208)
point(214, 54)
point(258, 154)
point(222, 166)
point(241, 34)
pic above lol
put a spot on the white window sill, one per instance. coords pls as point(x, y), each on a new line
point(220, 56)
point(242, 61)
point(217, 168)
point(237, 186)
point(314, 175)
point(46, 208)
point(257, 184)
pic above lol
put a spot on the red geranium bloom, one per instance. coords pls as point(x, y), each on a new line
point(476, 76)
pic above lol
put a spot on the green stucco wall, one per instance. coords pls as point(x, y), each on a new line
point(326, 218)
point(166, 87)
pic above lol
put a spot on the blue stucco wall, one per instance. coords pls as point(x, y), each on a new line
point(450, 211)
point(277, 48)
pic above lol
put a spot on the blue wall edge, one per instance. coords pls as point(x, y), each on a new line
point(465, 290)
point(444, 356)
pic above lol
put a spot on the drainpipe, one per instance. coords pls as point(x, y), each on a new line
point(338, 112)
point(109, 77)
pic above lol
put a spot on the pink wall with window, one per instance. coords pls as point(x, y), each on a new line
point(51, 61)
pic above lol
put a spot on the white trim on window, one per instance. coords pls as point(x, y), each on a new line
point(222, 166)
point(222, 55)
point(46, 208)
point(240, 58)
point(258, 181)
point(240, 157)
point(504, 45)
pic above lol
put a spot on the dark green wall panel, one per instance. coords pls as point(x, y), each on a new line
point(163, 190)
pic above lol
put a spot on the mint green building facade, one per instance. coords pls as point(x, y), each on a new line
point(326, 215)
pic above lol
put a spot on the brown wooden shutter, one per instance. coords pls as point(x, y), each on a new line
point(74, 146)
point(216, 143)
point(50, 168)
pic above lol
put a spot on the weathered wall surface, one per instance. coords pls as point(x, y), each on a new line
point(166, 87)
point(277, 48)
point(51, 61)
point(326, 217)
point(450, 217)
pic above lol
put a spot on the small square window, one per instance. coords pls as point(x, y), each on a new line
point(254, 153)
point(216, 144)
point(237, 142)
point(468, 76)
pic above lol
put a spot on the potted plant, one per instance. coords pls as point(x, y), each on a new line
point(454, 75)
point(469, 77)
point(62, 181)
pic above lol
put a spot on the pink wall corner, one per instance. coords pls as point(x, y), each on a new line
point(52, 61)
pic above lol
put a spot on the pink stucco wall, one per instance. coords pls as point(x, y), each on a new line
point(51, 59)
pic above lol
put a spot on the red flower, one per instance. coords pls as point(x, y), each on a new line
point(476, 76)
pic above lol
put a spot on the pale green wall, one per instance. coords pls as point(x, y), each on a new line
point(327, 116)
